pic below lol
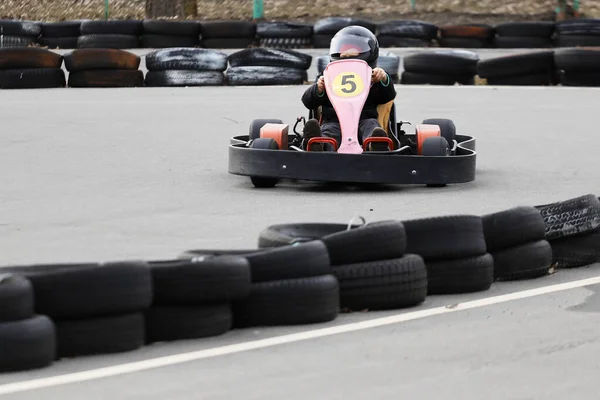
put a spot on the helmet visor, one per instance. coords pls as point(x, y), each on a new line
point(348, 46)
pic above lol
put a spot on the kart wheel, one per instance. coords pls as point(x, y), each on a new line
point(254, 131)
point(265, 144)
point(447, 128)
point(435, 146)
point(424, 132)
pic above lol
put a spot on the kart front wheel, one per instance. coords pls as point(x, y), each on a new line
point(435, 146)
point(264, 144)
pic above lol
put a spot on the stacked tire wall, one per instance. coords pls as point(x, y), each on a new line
point(300, 273)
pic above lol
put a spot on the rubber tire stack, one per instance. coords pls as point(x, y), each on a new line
point(573, 230)
point(30, 68)
point(389, 62)
point(27, 339)
point(185, 67)
point(227, 34)
point(283, 35)
point(164, 34)
point(466, 36)
point(454, 251)
point(516, 239)
point(530, 68)
point(524, 34)
point(103, 68)
point(60, 35)
point(259, 66)
point(19, 33)
point(440, 67)
point(406, 33)
point(112, 34)
point(578, 66)
point(192, 297)
point(325, 28)
point(378, 274)
point(97, 308)
point(578, 32)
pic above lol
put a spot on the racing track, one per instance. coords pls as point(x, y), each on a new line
point(142, 173)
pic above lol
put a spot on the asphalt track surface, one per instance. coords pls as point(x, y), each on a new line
point(107, 174)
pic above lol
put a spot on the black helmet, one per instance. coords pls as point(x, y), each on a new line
point(355, 37)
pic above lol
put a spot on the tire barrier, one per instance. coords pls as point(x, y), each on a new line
point(182, 66)
point(122, 34)
point(300, 273)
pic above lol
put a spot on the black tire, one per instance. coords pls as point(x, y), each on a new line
point(462, 275)
point(186, 59)
point(408, 29)
point(579, 26)
point(445, 237)
point(418, 78)
point(86, 290)
point(93, 59)
point(227, 29)
point(60, 29)
point(435, 146)
point(289, 302)
point(107, 78)
point(530, 79)
point(165, 324)
point(283, 29)
point(265, 76)
point(331, 25)
point(382, 285)
point(576, 251)
point(463, 43)
point(65, 43)
point(100, 335)
point(577, 41)
point(381, 240)
point(171, 28)
point(321, 41)
point(202, 253)
point(512, 227)
point(16, 298)
point(20, 28)
point(447, 128)
point(184, 78)
point(526, 29)
point(27, 344)
point(576, 59)
point(516, 42)
point(270, 58)
point(151, 41)
point(285, 43)
point(112, 27)
point(255, 125)
point(579, 78)
point(571, 217)
point(32, 78)
point(517, 64)
point(525, 261)
point(443, 62)
point(264, 144)
point(200, 280)
point(29, 57)
point(7, 41)
point(108, 42)
point(226, 43)
point(396, 41)
point(302, 260)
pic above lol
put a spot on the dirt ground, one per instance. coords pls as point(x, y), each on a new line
point(436, 11)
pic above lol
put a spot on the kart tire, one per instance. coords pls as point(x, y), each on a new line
point(575, 216)
point(255, 125)
point(447, 128)
point(264, 144)
point(435, 146)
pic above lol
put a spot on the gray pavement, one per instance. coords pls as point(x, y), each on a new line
point(105, 174)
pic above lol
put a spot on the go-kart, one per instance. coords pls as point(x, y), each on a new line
point(434, 155)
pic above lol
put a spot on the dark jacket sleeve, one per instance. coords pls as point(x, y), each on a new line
point(382, 93)
point(311, 99)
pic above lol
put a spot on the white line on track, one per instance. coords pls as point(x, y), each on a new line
point(294, 337)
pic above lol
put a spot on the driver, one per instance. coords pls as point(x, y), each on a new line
point(350, 42)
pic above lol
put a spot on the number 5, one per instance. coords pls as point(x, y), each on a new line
point(347, 80)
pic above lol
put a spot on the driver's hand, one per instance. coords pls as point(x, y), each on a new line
point(321, 85)
point(378, 75)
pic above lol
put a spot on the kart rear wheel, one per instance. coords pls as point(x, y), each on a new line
point(255, 125)
point(265, 144)
point(447, 128)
